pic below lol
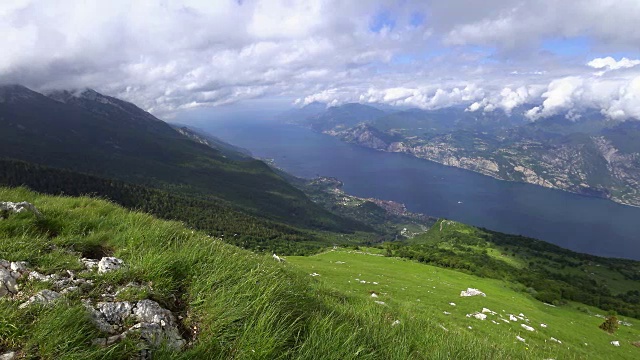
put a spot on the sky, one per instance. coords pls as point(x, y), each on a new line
point(169, 57)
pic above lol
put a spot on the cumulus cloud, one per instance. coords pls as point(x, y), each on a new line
point(170, 56)
point(611, 63)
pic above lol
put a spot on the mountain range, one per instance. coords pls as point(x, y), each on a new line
point(590, 155)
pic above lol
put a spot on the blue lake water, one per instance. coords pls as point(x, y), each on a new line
point(580, 223)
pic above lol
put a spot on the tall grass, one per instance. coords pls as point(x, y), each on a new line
point(241, 305)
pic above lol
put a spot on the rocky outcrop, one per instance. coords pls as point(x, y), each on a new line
point(43, 297)
point(7, 207)
point(154, 324)
point(108, 264)
point(10, 272)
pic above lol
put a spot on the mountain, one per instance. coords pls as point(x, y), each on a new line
point(95, 134)
point(343, 116)
point(230, 151)
point(307, 111)
point(590, 156)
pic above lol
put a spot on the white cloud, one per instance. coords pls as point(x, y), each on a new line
point(169, 56)
point(611, 63)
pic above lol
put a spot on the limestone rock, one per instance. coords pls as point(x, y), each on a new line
point(155, 324)
point(8, 283)
point(11, 207)
point(43, 297)
point(472, 292)
point(108, 264)
point(9, 356)
point(90, 264)
point(115, 312)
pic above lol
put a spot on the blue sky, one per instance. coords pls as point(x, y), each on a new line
point(171, 58)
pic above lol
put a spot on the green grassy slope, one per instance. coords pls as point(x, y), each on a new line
point(245, 306)
point(548, 272)
point(421, 294)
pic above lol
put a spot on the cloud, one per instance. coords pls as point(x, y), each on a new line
point(611, 63)
point(169, 57)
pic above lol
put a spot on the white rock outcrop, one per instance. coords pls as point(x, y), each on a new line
point(527, 327)
point(11, 207)
point(107, 264)
point(472, 292)
point(154, 324)
point(43, 297)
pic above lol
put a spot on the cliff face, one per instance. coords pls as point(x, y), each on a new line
point(588, 165)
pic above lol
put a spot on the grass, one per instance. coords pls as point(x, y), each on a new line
point(246, 306)
point(418, 293)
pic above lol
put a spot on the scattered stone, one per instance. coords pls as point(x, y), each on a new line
point(527, 327)
point(480, 316)
point(19, 266)
point(108, 264)
point(513, 318)
point(487, 311)
point(340, 262)
point(277, 258)
point(520, 339)
point(469, 327)
point(374, 295)
point(443, 328)
point(314, 274)
point(558, 341)
point(34, 275)
point(446, 313)
point(9, 355)
point(452, 304)
point(43, 297)
point(89, 264)
point(615, 343)
point(397, 322)
point(379, 302)
point(11, 207)
point(543, 325)
point(472, 292)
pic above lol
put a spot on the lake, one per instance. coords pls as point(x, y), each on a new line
point(584, 224)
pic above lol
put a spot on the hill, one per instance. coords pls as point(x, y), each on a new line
point(424, 299)
point(546, 271)
point(202, 298)
point(103, 136)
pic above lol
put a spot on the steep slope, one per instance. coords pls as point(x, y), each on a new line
point(104, 136)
